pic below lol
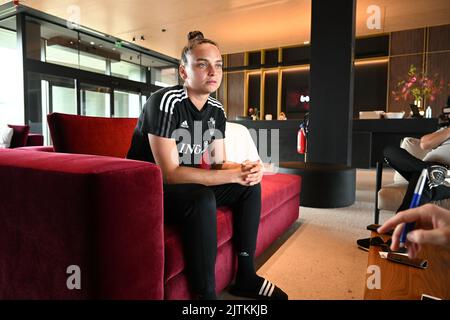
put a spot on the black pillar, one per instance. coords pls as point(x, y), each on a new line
point(331, 81)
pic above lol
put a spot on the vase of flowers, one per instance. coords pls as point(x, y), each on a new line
point(254, 113)
point(418, 88)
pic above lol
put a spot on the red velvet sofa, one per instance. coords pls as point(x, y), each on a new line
point(86, 205)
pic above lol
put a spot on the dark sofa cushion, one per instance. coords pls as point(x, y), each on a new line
point(20, 135)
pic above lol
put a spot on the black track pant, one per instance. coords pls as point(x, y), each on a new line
point(193, 207)
point(410, 168)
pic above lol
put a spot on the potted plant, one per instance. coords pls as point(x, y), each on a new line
point(418, 88)
point(254, 113)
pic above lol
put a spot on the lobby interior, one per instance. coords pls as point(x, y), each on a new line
point(286, 63)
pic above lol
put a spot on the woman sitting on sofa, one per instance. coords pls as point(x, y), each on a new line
point(181, 129)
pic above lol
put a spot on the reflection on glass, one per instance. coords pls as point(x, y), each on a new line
point(163, 73)
point(52, 43)
point(127, 70)
point(95, 54)
point(165, 77)
point(143, 101)
point(92, 63)
point(126, 104)
point(11, 110)
point(64, 100)
point(62, 56)
point(95, 101)
point(48, 94)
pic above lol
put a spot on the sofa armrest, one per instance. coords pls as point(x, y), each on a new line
point(102, 214)
point(37, 148)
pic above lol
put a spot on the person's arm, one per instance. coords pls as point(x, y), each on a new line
point(435, 139)
point(166, 157)
point(432, 225)
point(219, 158)
point(254, 170)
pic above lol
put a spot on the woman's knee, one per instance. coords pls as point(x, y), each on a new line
point(255, 188)
point(390, 151)
point(204, 197)
point(252, 191)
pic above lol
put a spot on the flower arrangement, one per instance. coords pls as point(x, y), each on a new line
point(419, 86)
point(254, 113)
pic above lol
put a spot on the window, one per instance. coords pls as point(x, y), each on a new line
point(48, 94)
point(127, 70)
point(63, 96)
point(51, 43)
point(126, 104)
point(95, 100)
point(11, 93)
point(63, 56)
point(92, 63)
point(95, 54)
point(162, 73)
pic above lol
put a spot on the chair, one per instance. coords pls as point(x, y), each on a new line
point(389, 197)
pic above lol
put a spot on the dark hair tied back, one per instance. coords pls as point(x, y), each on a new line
point(195, 35)
point(195, 38)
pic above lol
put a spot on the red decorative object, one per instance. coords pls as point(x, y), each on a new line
point(301, 141)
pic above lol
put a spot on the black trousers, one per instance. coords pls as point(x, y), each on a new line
point(193, 207)
point(410, 168)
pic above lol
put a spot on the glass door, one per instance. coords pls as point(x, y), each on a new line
point(126, 104)
point(47, 94)
point(95, 100)
point(62, 95)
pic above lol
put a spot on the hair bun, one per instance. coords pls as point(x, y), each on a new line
point(195, 35)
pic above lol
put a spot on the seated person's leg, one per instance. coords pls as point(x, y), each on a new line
point(246, 204)
point(428, 194)
point(193, 207)
point(402, 161)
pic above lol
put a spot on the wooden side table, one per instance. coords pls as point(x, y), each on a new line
point(401, 282)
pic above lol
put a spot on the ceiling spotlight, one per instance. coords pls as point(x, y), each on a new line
point(142, 38)
point(134, 38)
point(92, 43)
point(163, 30)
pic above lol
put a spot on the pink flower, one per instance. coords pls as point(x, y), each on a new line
point(418, 85)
